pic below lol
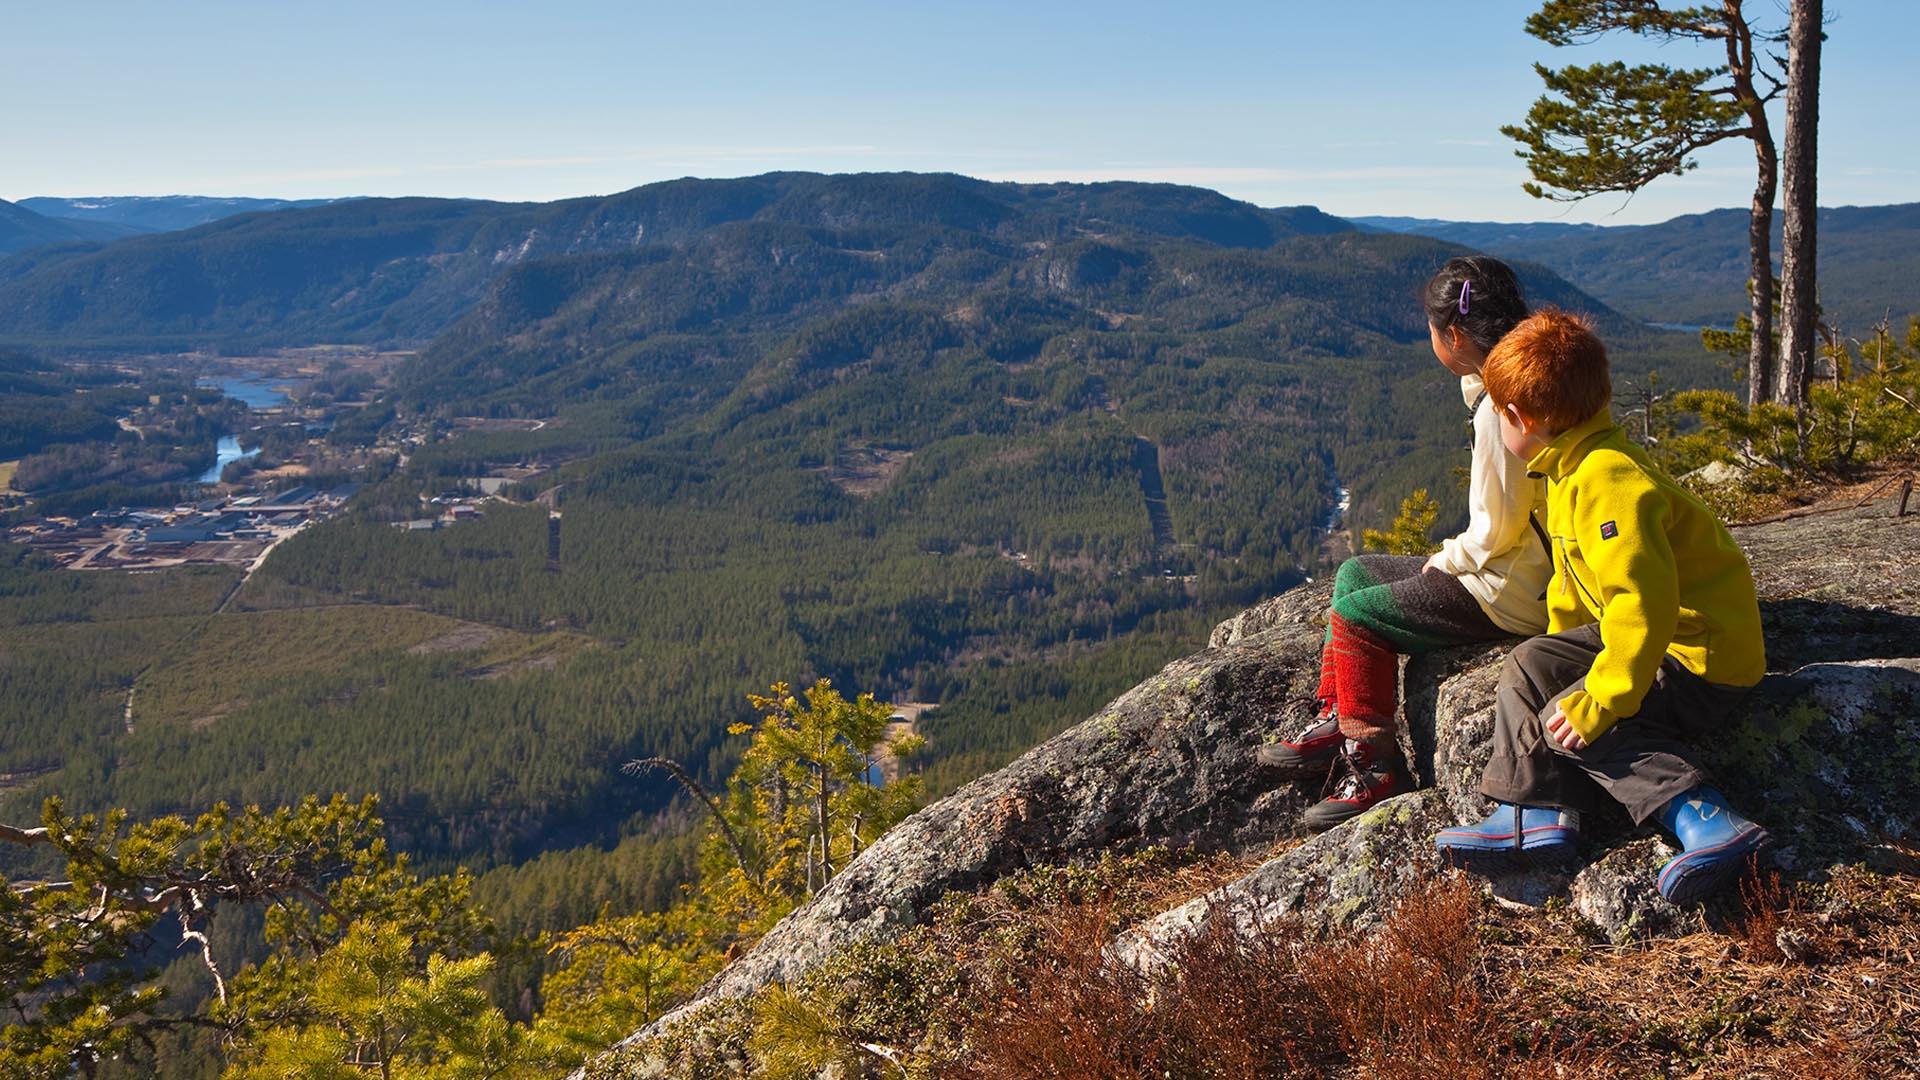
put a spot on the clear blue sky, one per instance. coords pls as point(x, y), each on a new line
point(1361, 107)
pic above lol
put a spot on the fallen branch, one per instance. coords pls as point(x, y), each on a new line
point(25, 837)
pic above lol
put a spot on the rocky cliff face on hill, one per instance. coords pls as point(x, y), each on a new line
point(1827, 756)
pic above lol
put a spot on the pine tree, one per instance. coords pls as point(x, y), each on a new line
point(1799, 301)
point(1408, 535)
point(372, 1008)
point(807, 782)
point(1618, 127)
point(373, 968)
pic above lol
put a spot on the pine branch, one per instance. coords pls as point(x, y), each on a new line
point(673, 769)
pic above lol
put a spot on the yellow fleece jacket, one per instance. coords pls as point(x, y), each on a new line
point(1645, 558)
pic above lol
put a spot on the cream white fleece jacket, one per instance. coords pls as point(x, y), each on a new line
point(1501, 557)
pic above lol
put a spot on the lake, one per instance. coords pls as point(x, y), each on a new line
point(257, 392)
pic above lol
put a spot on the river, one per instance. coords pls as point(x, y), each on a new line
point(1342, 502)
point(257, 393)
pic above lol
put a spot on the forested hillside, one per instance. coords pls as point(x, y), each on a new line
point(383, 270)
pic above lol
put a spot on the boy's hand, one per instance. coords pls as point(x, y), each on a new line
point(1560, 730)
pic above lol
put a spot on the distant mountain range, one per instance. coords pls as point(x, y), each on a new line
point(1693, 269)
point(21, 229)
point(159, 213)
point(40, 221)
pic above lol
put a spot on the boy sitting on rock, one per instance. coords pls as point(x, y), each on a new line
point(1653, 633)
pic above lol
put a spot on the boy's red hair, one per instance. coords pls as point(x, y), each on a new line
point(1553, 367)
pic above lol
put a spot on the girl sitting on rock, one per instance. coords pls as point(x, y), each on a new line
point(1486, 583)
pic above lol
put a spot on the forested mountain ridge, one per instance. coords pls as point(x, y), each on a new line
point(387, 270)
point(404, 269)
point(557, 320)
point(1691, 269)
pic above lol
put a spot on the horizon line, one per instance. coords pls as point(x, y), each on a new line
point(1081, 179)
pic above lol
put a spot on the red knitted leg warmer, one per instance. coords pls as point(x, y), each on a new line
point(1365, 672)
point(1329, 693)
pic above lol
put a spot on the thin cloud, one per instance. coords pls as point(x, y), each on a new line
point(679, 156)
point(1236, 175)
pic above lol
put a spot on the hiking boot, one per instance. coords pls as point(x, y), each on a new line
point(1368, 778)
point(1308, 753)
point(1717, 842)
point(1511, 838)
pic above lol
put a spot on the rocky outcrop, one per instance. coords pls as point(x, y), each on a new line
point(1165, 763)
point(1828, 756)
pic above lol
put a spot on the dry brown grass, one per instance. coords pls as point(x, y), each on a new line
point(1806, 981)
point(1408, 1002)
point(1412, 1001)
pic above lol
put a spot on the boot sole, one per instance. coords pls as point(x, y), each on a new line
point(1506, 859)
point(1295, 767)
point(1327, 814)
point(1697, 875)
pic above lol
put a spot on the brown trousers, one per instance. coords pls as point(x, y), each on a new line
point(1642, 762)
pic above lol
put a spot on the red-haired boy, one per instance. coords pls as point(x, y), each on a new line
point(1653, 633)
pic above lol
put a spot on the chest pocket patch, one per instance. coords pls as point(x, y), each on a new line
point(1609, 530)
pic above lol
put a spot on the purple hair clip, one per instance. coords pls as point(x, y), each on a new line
point(1466, 288)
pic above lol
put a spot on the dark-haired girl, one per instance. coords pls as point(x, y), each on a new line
point(1488, 582)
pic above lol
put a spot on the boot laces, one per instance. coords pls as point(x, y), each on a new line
point(1313, 723)
point(1354, 772)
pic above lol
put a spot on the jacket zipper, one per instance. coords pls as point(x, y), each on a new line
point(1566, 564)
point(1545, 545)
point(1567, 577)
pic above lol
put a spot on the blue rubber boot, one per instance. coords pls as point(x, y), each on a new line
point(1717, 844)
point(1511, 838)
